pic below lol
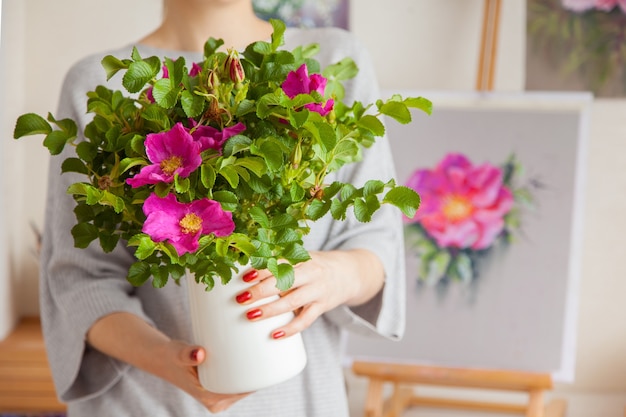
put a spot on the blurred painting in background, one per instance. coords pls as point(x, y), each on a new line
point(577, 45)
point(305, 13)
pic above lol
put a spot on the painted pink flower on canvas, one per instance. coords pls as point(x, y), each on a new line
point(172, 152)
point(211, 138)
point(182, 224)
point(463, 206)
point(608, 5)
point(300, 82)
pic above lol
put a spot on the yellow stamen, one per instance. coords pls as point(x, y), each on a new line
point(171, 164)
point(191, 224)
point(457, 208)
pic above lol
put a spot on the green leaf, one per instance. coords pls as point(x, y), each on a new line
point(406, 199)
point(160, 276)
point(74, 165)
point(278, 33)
point(296, 253)
point(373, 187)
point(84, 234)
point(138, 274)
point(108, 241)
point(373, 124)
point(284, 274)
point(109, 199)
point(193, 105)
point(138, 75)
point(258, 215)
point(273, 155)
point(227, 199)
point(165, 93)
point(55, 141)
point(253, 164)
point(145, 245)
point(230, 174)
point(283, 220)
point(211, 46)
point(396, 110)
point(31, 124)
point(317, 209)
point(420, 103)
point(207, 175)
point(342, 70)
point(112, 65)
point(86, 151)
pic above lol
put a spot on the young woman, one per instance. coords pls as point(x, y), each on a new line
point(116, 350)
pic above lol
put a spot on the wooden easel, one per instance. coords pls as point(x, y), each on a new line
point(405, 376)
point(488, 45)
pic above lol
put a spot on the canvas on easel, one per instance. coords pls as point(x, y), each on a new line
point(514, 308)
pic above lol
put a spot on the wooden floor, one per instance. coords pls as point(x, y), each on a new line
point(25, 379)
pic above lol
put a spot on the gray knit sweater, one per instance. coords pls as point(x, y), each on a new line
point(78, 286)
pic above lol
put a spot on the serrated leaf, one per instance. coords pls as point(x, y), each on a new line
point(296, 253)
point(108, 241)
point(373, 187)
point(160, 276)
point(420, 103)
point(342, 70)
point(258, 215)
point(84, 234)
point(137, 76)
point(112, 65)
point(74, 165)
point(317, 209)
point(396, 110)
point(284, 274)
point(207, 175)
point(165, 93)
point(31, 124)
point(55, 141)
point(230, 174)
point(193, 105)
point(373, 124)
point(227, 199)
point(138, 274)
point(406, 199)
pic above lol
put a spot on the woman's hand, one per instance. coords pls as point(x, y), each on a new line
point(181, 370)
point(327, 280)
point(128, 338)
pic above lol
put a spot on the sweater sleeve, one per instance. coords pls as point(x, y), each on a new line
point(78, 286)
point(383, 315)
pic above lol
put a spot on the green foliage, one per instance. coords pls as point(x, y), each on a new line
point(271, 177)
point(588, 44)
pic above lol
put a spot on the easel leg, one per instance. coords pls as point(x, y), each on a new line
point(374, 400)
point(535, 404)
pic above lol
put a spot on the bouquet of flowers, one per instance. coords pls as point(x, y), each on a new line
point(583, 37)
point(466, 210)
point(222, 162)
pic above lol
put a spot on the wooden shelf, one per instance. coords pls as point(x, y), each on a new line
point(25, 378)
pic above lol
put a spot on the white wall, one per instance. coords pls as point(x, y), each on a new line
point(416, 44)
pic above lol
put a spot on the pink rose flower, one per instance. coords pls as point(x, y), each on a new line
point(299, 82)
point(463, 206)
point(182, 224)
point(172, 152)
point(211, 138)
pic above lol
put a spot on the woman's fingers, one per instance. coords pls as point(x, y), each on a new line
point(303, 320)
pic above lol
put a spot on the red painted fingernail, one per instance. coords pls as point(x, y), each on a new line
point(254, 314)
point(250, 275)
point(278, 334)
point(243, 297)
point(194, 355)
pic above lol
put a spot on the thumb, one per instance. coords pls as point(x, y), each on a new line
point(192, 355)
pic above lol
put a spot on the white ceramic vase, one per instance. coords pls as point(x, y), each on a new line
point(242, 355)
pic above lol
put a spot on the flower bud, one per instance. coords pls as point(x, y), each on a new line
point(213, 81)
point(233, 67)
point(296, 156)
